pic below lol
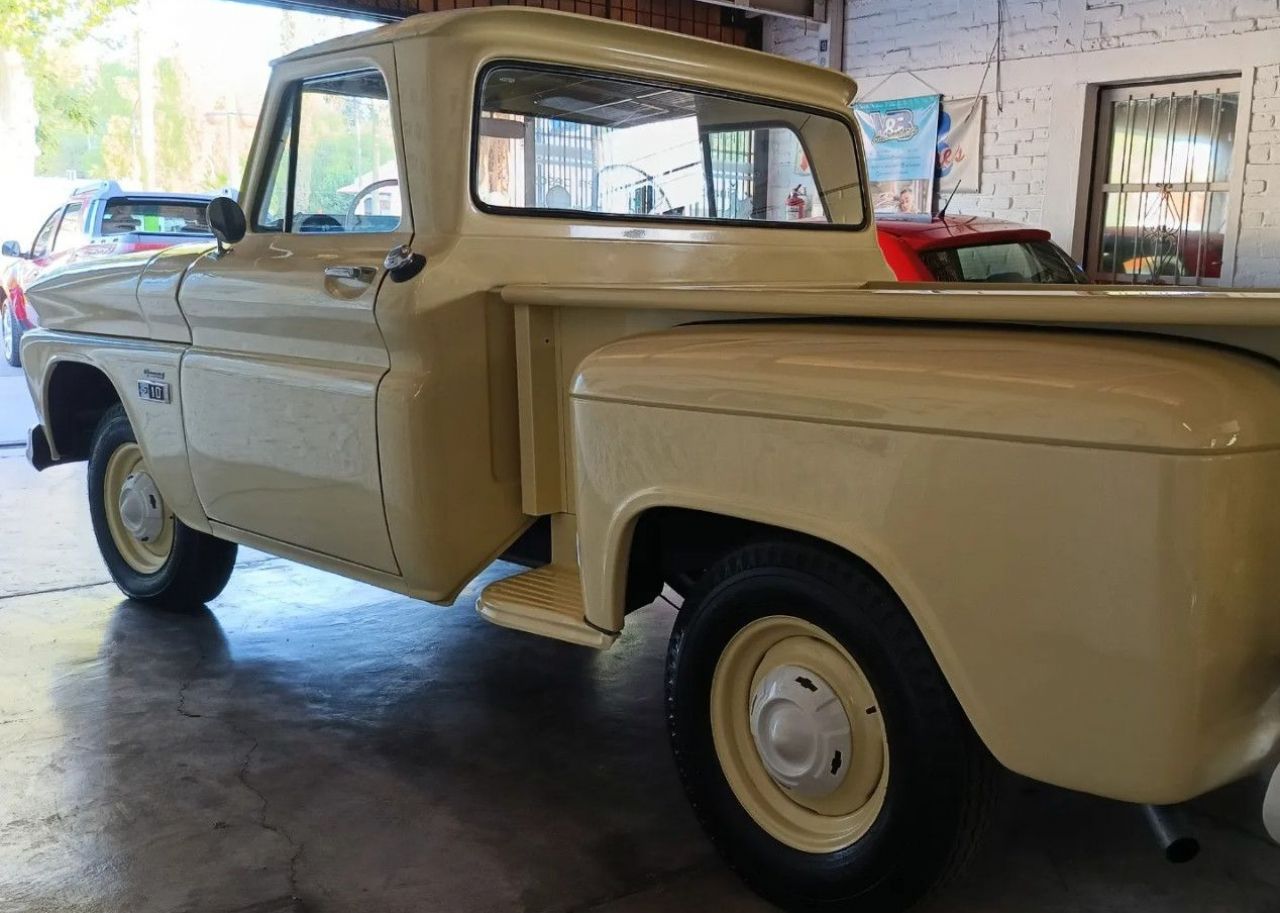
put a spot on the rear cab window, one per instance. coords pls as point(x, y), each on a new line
point(124, 215)
point(550, 141)
point(1016, 261)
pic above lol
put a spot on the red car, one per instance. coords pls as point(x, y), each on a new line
point(972, 249)
point(99, 220)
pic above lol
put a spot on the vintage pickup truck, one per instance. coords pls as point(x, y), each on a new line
point(514, 283)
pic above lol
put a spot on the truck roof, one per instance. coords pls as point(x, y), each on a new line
point(513, 31)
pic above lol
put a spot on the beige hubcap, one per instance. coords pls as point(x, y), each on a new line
point(799, 734)
point(141, 525)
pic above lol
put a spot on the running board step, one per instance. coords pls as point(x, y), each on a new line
point(546, 601)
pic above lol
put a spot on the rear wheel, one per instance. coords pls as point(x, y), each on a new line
point(150, 553)
point(817, 739)
point(10, 335)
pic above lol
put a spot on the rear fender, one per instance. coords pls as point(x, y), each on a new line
point(1079, 524)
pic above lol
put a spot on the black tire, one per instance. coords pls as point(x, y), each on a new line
point(198, 566)
point(942, 781)
point(12, 336)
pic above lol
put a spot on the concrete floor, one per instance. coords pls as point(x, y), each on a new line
point(312, 744)
point(16, 414)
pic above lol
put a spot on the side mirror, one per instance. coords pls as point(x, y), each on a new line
point(226, 221)
point(11, 249)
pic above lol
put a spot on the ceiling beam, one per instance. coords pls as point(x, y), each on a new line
point(389, 10)
point(385, 10)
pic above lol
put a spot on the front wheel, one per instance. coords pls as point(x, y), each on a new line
point(10, 336)
point(819, 743)
point(151, 555)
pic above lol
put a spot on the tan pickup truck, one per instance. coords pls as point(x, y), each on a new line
point(509, 283)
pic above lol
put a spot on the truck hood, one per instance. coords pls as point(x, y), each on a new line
point(128, 295)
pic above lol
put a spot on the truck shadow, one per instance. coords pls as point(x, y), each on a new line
point(360, 750)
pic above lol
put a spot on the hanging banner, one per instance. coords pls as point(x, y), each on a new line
point(900, 137)
point(960, 146)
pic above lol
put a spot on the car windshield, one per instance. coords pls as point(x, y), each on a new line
point(1016, 261)
point(124, 215)
point(555, 142)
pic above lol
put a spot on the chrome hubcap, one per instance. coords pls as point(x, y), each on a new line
point(141, 510)
point(801, 731)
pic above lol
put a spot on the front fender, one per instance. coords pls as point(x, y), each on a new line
point(124, 362)
point(1079, 523)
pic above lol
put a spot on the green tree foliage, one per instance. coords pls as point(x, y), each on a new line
point(41, 30)
point(344, 141)
point(175, 152)
point(29, 24)
point(78, 112)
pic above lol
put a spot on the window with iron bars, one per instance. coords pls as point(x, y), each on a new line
point(1161, 173)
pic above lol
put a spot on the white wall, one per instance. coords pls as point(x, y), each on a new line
point(1038, 134)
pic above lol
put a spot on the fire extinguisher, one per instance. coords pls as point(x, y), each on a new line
point(798, 203)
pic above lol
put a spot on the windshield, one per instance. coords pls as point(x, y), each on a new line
point(1021, 261)
point(159, 217)
point(562, 142)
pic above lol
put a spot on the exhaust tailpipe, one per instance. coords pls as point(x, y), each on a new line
point(1169, 826)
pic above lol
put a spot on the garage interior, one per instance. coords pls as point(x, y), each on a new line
point(308, 743)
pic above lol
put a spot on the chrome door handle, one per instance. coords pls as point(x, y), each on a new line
point(358, 273)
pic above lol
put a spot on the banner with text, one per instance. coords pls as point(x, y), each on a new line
point(960, 146)
point(901, 140)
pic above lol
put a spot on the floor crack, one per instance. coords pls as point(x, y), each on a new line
point(264, 821)
point(184, 685)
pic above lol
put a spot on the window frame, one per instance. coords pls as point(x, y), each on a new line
point(50, 223)
point(477, 108)
point(74, 208)
point(289, 113)
point(1099, 185)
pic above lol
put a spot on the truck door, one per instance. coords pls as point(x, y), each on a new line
point(280, 386)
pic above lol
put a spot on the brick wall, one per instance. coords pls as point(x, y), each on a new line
point(1127, 23)
point(688, 17)
point(1052, 50)
point(1258, 247)
point(885, 35)
point(1015, 143)
point(797, 40)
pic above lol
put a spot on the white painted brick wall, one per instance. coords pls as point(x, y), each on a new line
point(883, 37)
point(1126, 23)
point(1015, 141)
point(797, 40)
point(1258, 247)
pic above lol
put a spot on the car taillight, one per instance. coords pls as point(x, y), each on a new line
point(18, 301)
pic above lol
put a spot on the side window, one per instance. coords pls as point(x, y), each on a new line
point(335, 168)
point(40, 246)
point(70, 229)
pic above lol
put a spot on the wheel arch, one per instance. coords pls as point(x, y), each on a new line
point(676, 542)
point(76, 394)
point(635, 528)
point(627, 549)
point(76, 377)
